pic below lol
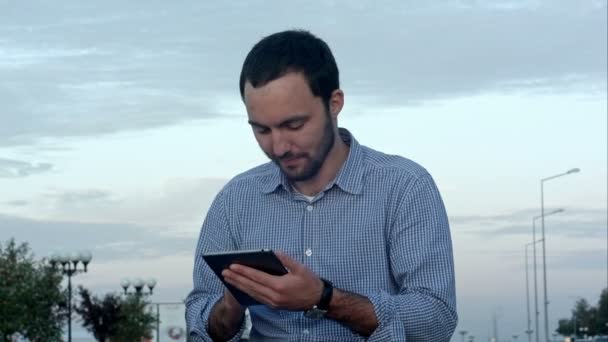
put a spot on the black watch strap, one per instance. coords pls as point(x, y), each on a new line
point(328, 291)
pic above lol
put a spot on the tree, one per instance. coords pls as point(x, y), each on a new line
point(602, 313)
point(115, 318)
point(32, 303)
point(135, 321)
point(99, 316)
point(565, 327)
point(582, 313)
point(593, 319)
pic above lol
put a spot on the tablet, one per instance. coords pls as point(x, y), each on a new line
point(262, 259)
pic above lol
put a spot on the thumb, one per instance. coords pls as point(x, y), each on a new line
point(287, 261)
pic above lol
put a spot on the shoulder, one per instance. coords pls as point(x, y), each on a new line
point(253, 180)
point(380, 163)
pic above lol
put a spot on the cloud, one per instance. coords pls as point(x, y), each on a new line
point(435, 52)
point(586, 259)
point(33, 111)
point(477, 219)
point(119, 251)
point(17, 203)
point(174, 208)
point(151, 225)
point(106, 241)
point(117, 67)
point(78, 197)
point(572, 223)
point(565, 228)
point(11, 168)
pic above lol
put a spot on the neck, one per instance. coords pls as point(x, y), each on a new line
point(328, 172)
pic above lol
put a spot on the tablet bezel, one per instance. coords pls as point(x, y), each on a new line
point(264, 260)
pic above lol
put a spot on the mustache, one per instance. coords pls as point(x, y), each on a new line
point(289, 155)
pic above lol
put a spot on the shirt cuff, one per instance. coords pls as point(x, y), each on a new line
point(390, 327)
point(200, 333)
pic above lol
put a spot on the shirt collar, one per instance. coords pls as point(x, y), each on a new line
point(349, 178)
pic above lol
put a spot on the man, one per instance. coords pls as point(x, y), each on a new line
point(364, 235)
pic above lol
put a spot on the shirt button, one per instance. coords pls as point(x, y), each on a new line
point(308, 252)
point(309, 208)
point(305, 332)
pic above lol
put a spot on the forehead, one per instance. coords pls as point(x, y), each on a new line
point(280, 98)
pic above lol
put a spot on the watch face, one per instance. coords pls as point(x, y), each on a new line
point(315, 313)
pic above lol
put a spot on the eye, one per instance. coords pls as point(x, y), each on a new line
point(261, 130)
point(295, 125)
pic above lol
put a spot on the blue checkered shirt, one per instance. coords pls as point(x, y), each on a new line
point(379, 229)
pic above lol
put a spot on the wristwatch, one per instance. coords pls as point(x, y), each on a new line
point(320, 310)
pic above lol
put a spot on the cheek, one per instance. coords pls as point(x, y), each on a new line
point(308, 140)
point(264, 142)
point(299, 142)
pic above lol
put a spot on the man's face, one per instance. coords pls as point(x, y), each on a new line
point(291, 125)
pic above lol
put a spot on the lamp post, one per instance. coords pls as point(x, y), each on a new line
point(69, 266)
point(529, 333)
point(529, 330)
point(138, 285)
point(584, 330)
point(536, 312)
point(542, 214)
point(463, 333)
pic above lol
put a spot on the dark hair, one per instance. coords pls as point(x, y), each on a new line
point(292, 51)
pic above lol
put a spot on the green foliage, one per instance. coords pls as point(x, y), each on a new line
point(565, 327)
point(594, 319)
point(32, 303)
point(135, 320)
point(114, 317)
point(602, 313)
point(99, 316)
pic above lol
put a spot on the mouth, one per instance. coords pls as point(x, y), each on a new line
point(291, 162)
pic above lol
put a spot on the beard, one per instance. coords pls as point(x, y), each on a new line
point(313, 162)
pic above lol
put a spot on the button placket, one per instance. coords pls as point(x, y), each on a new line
point(308, 235)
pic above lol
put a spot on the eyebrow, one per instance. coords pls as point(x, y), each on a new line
point(295, 118)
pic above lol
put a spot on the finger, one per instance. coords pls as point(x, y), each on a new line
point(246, 290)
point(241, 280)
point(258, 291)
point(258, 276)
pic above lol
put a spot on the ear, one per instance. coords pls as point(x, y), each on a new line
point(336, 102)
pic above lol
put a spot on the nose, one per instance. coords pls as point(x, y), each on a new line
point(280, 145)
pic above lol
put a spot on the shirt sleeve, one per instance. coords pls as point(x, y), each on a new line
point(421, 260)
point(207, 289)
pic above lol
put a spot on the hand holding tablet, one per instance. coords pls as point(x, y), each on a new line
point(263, 259)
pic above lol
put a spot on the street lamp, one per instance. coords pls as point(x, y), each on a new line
point(138, 284)
point(463, 333)
point(542, 213)
point(69, 266)
point(536, 312)
point(529, 330)
point(529, 333)
point(584, 331)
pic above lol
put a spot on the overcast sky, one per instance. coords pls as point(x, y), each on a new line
point(120, 121)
